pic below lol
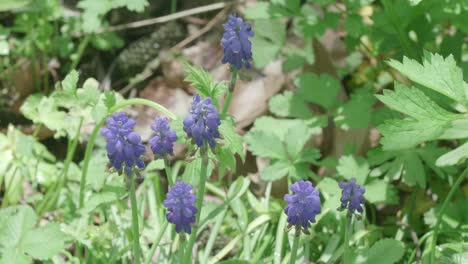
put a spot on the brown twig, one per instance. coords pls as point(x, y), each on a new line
point(213, 22)
point(158, 20)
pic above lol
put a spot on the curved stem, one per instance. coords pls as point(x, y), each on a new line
point(348, 230)
point(441, 213)
point(156, 242)
point(228, 99)
point(94, 133)
point(135, 227)
point(295, 246)
point(200, 193)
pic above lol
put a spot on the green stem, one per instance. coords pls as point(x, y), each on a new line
point(156, 242)
point(81, 49)
point(167, 168)
point(200, 193)
point(135, 227)
point(228, 99)
point(173, 6)
point(37, 130)
point(213, 235)
point(295, 246)
point(442, 210)
point(181, 246)
point(94, 133)
point(348, 230)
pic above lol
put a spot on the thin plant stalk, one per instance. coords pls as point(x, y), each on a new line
point(168, 171)
point(94, 133)
point(173, 6)
point(156, 242)
point(441, 213)
point(200, 193)
point(230, 91)
point(181, 246)
point(135, 226)
point(348, 230)
point(295, 246)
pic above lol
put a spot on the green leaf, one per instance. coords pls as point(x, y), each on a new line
point(89, 94)
point(415, 103)
point(458, 129)
point(265, 144)
point(71, 81)
point(298, 57)
point(391, 249)
point(18, 236)
point(192, 171)
point(258, 11)
point(275, 170)
point(289, 104)
point(109, 99)
point(297, 137)
point(44, 242)
point(203, 81)
point(321, 90)
point(453, 157)
point(381, 192)
point(350, 167)
point(404, 134)
point(436, 73)
point(231, 139)
point(355, 113)
point(331, 192)
point(7, 5)
point(136, 5)
point(414, 170)
point(267, 43)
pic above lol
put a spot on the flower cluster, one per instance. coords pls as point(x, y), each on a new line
point(352, 196)
point(302, 206)
point(123, 145)
point(180, 206)
point(201, 124)
point(236, 43)
point(162, 142)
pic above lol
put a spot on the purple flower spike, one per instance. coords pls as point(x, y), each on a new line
point(201, 124)
point(302, 206)
point(180, 206)
point(162, 142)
point(352, 196)
point(236, 43)
point(124, 147)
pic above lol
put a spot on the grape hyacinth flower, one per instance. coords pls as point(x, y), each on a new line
point(124, 147)
point(162, 142)
point(201, 124)
point(302, 206)
point(236, 43)
point(351, 196)
point(180, 204)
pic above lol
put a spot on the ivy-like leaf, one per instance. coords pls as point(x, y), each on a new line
point(392, 249)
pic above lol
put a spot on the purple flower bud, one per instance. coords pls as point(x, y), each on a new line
point(352, 196)
point(302, 206)
point(180, 206)
point(236, 43)
point(123, 145)
point(162, 142)
point(201, 124)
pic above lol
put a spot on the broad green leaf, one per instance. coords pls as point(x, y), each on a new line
point(404, 134)
point(15, 222)
point(289, 104)
point(331, 192)
point(231, 139)
point(258, 11)
point(351, 167)
point(265, 144)
point(321, 90)
point(275, 170)
point(385, 251)
point(458, 129)
point(414, 170)
point(267, 43)
point(44, 242)
point(299, 171)
point(90, 93)
point(453, 157)
point(415, 103)
point(381, 192)
point(70, 82)
point(296, 140)
point(298, 57)
point(355, 113)
point(436, 73)
point(192, 171)
point(30, 107)
point(109, 99)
